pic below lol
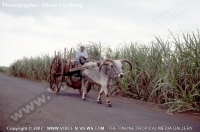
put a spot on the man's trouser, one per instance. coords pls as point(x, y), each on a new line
point(80, 61)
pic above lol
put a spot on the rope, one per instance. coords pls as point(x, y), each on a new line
point(110, 75)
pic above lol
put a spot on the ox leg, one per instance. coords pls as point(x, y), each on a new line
point(84, 83)
point(107, 98)
point(99, 97)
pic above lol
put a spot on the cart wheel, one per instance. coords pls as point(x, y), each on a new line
point(56, 74)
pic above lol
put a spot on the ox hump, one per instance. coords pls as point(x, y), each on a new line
point(89, 65)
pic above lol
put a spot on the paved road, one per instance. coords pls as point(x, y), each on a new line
point(39, 110)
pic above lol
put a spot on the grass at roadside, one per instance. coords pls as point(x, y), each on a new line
point(164, 71)
point(4, 69)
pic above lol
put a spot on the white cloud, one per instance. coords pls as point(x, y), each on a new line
point(31, 32)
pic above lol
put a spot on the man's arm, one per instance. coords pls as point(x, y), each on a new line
point(86, 56)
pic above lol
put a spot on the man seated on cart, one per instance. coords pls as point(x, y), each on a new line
point(81, 57)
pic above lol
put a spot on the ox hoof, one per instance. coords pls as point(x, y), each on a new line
point(83, 99)
point(109, 105)
point(99, 102)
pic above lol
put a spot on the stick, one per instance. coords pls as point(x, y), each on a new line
point(70, 57)
point(64, 54)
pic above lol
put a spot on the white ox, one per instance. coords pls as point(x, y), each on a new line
point(102, 74)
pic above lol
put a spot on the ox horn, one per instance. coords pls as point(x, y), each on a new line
point(103, 63)
point(130, 64)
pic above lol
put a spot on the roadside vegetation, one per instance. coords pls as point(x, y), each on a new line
point(164, 71)
point(36, 68)
point(4, 69)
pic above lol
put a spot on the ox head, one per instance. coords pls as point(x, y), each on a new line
point(115, 66)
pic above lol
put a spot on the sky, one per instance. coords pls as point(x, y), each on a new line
point(35, 27)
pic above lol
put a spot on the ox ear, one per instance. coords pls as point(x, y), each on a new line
point(105, 62)
point(98, 63)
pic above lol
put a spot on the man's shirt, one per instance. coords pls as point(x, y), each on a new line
point(79, 54)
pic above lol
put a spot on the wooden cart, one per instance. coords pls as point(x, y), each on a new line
point(63, 70)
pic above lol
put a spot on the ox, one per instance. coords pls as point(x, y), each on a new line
point(102, 74)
